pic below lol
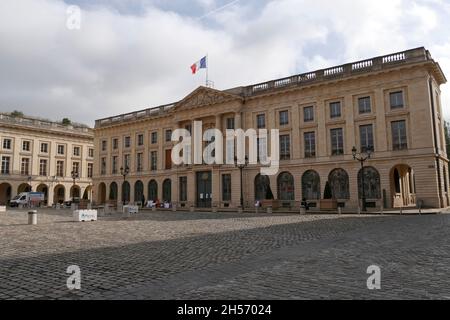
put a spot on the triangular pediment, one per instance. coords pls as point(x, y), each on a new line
point(203, 96)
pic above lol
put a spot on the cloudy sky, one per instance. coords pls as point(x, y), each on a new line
point(133, 54)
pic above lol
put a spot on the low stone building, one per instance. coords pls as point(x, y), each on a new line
point(390, 105)
point(41, 155)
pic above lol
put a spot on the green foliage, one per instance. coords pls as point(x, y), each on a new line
point(17, 114)
point(269, 194)
point(327, 194)
point(66, 122)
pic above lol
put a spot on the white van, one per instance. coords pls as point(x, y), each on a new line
point(25, 198)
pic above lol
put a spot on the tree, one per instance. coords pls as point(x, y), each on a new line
point(327, 194)
point(17, 114)
point(66, 122)
point(269, 194)
point(447, 137)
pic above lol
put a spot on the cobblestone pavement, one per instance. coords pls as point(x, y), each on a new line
point(225, 256)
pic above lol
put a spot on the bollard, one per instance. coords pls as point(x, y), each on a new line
point(401, 210)
point(359, 210)
point(339, 210)
point(192, 209)
point(154, 208)
point(214, 209)
point(174, 208)
point(32, 217)
point(381, 209)
point(269, 210)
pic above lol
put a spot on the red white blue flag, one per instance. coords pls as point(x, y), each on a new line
point(202, 64)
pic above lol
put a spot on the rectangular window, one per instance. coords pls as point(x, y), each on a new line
point(183, 188)
point(230, 123)
point(335, 109)
point(366, 138)
point(5, 165)
point(139, 162)
point(337, 142)
point(114, 165)
point(60, 168)
point(168, 159)
point(43, 167)
point(284, 118)
point(103, 167)
point(104, 145)
point(308, 114)
point(90, 169)
point(76, 168)
point(76, 151)
point(140, 140)
point(115, 144)
point(154, 160)
point(310, 144)
point(399, 140)
point(60, 149)
point(25, 166)
point(168, 135)
point(7, 144)
point(91, 153)
point(154, 137)
point(26, 145)
point(126, 161)
point(226, 187)
point(261, 121)
point(285, 147)
point(262, 149)
point(396, 99)
point(127, 142)
point(44, 147)
point(364, 105)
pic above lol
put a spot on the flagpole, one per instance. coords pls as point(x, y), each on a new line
point(207, 66)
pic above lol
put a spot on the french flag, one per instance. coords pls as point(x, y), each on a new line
point(199, 65)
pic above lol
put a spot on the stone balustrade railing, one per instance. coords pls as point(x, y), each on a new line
point(44, 124)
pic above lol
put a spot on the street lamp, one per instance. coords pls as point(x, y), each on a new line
point(362, 158)
point(124, 173)
point(241, 167)
point(74, 175)
point(29, 183)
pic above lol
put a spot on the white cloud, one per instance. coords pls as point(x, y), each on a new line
point(117, 63)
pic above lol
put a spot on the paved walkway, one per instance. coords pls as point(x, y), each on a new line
point(225, 256)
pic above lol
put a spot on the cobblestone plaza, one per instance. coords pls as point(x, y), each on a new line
point(176, 255)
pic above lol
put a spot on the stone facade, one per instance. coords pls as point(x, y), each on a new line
point(40, 155)
point(391, 104)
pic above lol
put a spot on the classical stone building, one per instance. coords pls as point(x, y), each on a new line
point(389, 104)
point(40, 155)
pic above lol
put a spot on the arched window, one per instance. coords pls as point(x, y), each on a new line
point(152, 190)
point(311, 185)
point(262, 188)
point(126, 192)
point(113, 191)
point(139, 192)
point(167, 190)
point(372, 187)
point(339, 184)
point(286, 187)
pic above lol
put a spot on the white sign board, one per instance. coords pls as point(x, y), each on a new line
point(2, 208)
point(130, 209)
point(84, 215)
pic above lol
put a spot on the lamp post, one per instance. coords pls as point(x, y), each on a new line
point(241, 167)
point(362, 158)
point(74, 175)
point(124, 173)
